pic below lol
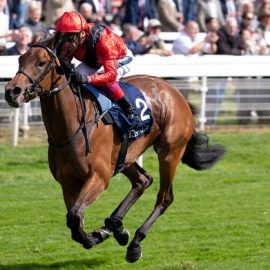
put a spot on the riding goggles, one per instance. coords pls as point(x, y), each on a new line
point(71, 37)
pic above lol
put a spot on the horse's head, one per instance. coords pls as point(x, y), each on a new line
point(38, 73)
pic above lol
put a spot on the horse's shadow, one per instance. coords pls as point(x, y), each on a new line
point(78, 264)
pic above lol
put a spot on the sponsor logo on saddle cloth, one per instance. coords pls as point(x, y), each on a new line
point(130, 128)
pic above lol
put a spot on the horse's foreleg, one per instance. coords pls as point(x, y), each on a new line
point(76, 203)
point(140, 180)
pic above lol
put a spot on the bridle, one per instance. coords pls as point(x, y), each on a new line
point(34, 89)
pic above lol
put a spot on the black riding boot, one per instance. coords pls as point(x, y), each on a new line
point(127, 108)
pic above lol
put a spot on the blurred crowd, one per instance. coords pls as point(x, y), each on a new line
point(233, 27)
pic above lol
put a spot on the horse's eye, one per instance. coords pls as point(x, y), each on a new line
point(41, 64)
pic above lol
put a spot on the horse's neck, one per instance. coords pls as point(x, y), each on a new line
point(62, 114)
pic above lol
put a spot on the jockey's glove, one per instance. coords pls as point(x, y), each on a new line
point(78, 78)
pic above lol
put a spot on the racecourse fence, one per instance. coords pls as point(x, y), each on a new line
point(229, 102)
point(227, 91)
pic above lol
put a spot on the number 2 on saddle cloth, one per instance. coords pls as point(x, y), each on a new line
point(128, 129)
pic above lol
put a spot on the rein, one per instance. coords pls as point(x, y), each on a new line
point(34, 89)
point(84, 126)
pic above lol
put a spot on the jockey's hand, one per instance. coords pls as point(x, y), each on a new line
point(78, 78)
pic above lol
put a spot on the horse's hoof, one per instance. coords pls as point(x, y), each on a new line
point(122, 237)
point(86, 242)
point(134, 253)
point(87, 245)
point(101, 235)
point(115, 225)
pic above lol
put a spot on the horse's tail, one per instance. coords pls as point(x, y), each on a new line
point(199, 155)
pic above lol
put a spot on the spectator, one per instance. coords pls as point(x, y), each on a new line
point(76, 4)
point(116, 11)
point(171, 19)
point(180, 6)
point(131, 35)
point(259, 5)
point(19, 9)
point(189, 10)
point(215, 93)
point(251, 96)
point(86, 10)
point(138, 11)
point(255, 44)
point(54, 9)
point(252, 43)
point(22, 40)
point(34, 17)
point(4, 22)
point(229, 8)
point(94, 4)
point(98, 11)
point(212, 25)
point(193, 42)
point(209, 8)
point(263, 29)
point(248, 21)
point(152, 40)
point(248, 45)
point(114, 6)
point(246, 7)
point(229, 41)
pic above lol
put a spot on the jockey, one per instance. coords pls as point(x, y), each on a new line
point(102, 53)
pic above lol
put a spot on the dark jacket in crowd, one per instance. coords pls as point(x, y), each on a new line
point(136, 47)
point(11, 51)
point(133, 11)
point(227, 44)
point(37, 27)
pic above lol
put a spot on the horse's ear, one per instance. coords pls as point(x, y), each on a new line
point(37, 38)
point(46, 40)
point(51, 42)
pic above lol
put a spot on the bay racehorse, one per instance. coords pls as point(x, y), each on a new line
point(84, 176)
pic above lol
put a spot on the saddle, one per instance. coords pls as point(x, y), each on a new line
point(128, 129)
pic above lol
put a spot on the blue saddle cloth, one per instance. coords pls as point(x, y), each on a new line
point(129, 129)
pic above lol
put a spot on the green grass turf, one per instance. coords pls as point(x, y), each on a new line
point(220, 218)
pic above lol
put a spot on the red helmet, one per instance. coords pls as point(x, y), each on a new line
point(71, 22)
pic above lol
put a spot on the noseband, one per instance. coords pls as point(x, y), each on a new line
point(34, 88)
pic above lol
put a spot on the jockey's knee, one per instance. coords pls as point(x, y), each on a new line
point(114, 91)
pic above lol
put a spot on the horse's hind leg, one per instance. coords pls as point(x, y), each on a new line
point(76, 202)
point(140, 180)
point(167, 167)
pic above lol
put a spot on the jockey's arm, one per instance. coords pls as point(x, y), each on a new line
point(109, 76)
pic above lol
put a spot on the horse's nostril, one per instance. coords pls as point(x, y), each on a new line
point(12, 93)
point(8, 96)
point(17, 91)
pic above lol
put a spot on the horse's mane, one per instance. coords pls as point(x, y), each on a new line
point(51, 41)
point(47, 41)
